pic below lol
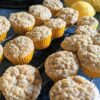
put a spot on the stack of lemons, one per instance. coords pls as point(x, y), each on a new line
point(85, 7)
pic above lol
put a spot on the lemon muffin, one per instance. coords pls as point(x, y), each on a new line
point(53, 5)
point(19, 50)
point(22, 22)
point(89, 58)
point(4, 27)
point(41, 36)
point(74, 42)
point(96, 39)
point(86, 30)
point(74, 88)
point(41, 13)
point(21, 82)
point(57, 25)
point(69, 15)
point(61, 64)
point(88, 20)
point(1, 53)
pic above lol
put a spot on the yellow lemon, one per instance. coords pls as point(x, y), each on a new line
point(84, 8)
point(70, 2)
point(95, 4)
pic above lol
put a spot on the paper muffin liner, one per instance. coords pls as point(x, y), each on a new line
point(20, 61)
point(58, 32)
point(1, 57)
point(3, 36)
point(91, 72)
point(38, 22)
point(43, 43)
point(21, 30)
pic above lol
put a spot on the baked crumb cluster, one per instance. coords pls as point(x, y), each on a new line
point(22, 82)
point(74, 88)
point(69, 15)
point(90, 57)
point(73, 43)
point(55, 23)
point(1, 49)
point(96, 39)
point(40, 11)
point(53, 4)
point(87, 20)
point(4, 25)
point(39, 32)
point(18, 47)
point(22, 19)
point(61, 65)
point(86, 30)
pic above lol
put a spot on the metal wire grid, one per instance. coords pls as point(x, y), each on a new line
point(47, 83)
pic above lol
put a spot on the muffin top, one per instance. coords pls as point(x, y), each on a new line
point(40, 11)
point(74, 88)
point(86, 30)
point(39, 32)
point(96, 39)
point(4, 25)
point(55, 23)
point(68, 14)
point(19, 47)
point(90, 57)
point(61, 64)
point(53, 4)
point(22, 19)
point(87, 20)
point(1, 49)
point(74, 42)
point(21, 82)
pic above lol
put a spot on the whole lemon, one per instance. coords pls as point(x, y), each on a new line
point(84, 8)
point(70, 2)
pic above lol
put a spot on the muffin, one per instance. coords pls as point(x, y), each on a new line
point(88, 20)
point(22, 22)
point(4, 27)
point(41, 13)
point(61, 64)
point(74, 88)
point(86, 30)
point(1, 53)
point(19, 50)
point(89, 58)
point(69, 15)
point(96, 39)
point(57, 25)
point(73, 43)
point(21, 82)
point(41, 36)
point(53, 5)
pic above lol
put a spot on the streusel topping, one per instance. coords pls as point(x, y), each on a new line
point(96, 39)
point(21, 82)
point(74, 88)
point(74, 42)
point(68, 14)
point(19, 47)
point(4, 25)
point(55, 23)
point(53, 4)
point(86, 30)
point(22, 19)
point(87, 20)
point(61, 65)
point(90, 57)
point(40, 11)
point(39, 32)
point(1, 49)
